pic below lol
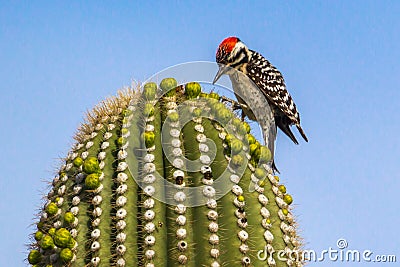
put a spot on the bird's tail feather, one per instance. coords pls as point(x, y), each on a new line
point(285, 128)
point(303, 134)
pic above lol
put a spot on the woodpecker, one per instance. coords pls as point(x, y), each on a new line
point(232, 53)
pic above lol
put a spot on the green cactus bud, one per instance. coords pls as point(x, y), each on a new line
point(224, 115)
point(241, 198)
point(121, 141)
point(92, 181)
point(91, 165)
point(276, 178)
point(228, 139)
point(212, 102)
point(40, 225)
point(78, 161)
point(282, 188)
point(66, 255)
point(148, 110)
point(197, 112)
point(288, 199)
point(216, 106)
point(126, 112)
point(265, 154)
point(285, 212)
point(192, 90)
point(259, 173)
point(203, 95)
point(62, 237)
point(241, 129)
point(213, 95)
point(236, 122)
point(149, 138)
point(69, 217)
point(253, 149)
point(47, 242)
point(52, 231)
point(124, 131)
point(52, 209)
point(251, 139)
point(168, 86)
point(34, 256)
point(247, 127)
point(71, 243)
point(125, 121)
point(174, 116)
point(237, 160)
point(38, 235)
point(150, 90)
point(236, 146)
point(257, 153)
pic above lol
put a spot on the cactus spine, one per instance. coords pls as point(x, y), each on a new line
point(165, 176)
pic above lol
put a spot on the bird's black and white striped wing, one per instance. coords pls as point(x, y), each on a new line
point(271, 83)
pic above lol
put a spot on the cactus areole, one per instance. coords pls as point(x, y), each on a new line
point(166, 175)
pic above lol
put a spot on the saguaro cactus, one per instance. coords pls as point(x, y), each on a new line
point(165, 176)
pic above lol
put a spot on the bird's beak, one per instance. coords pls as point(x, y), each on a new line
point(221, 71)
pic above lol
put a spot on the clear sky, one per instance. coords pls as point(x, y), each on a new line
point(340, 60)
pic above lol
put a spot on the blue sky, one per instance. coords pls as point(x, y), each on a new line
point(340, 60)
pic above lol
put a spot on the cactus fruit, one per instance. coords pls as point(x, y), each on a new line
point(165, 176)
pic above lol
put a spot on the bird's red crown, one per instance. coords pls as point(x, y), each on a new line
point(225, 47)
